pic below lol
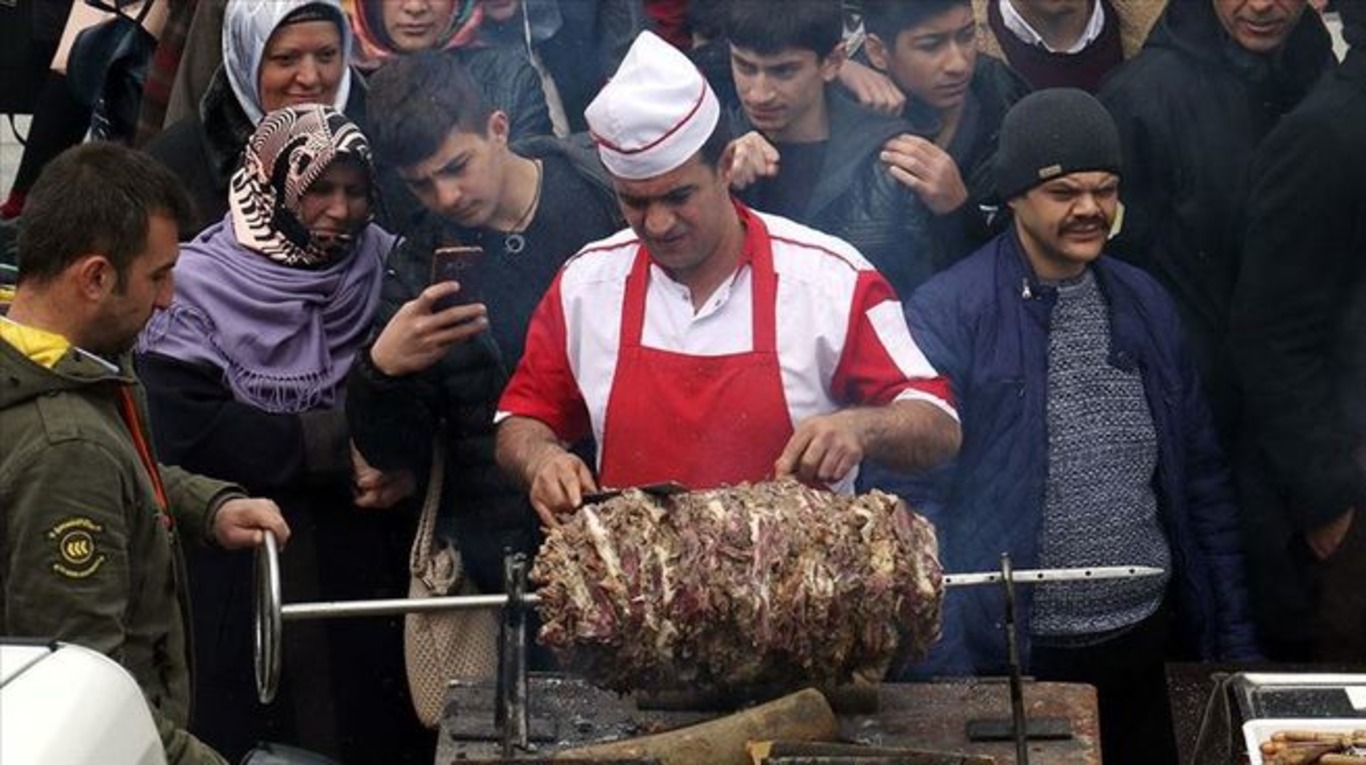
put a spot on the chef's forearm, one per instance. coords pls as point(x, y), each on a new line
point(523, 445)
point(909, 435)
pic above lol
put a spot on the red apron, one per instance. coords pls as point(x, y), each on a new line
point(704, 421)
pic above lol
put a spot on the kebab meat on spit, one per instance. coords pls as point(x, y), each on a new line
point(764, 584)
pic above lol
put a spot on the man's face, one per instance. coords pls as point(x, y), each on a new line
point(784, 94)
point(680, 216)
point(1065, 222)
point(128, 302)
point(463, 179)
point(336, 205)
point(933, 60)
point(1259, 26)
point(415, 25)
point(302, 65)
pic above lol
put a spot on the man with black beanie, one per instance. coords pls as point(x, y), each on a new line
point(1299, 318)
point(1086, 442)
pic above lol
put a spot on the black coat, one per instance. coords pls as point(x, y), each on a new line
point(1299, 336)
point(857, 199)
point(1192, 108)
point(336, 552)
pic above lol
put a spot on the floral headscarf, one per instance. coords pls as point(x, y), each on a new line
point(247, 27)
point(367, 19)
point(289, 150)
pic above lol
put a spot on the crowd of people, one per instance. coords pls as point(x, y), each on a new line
point(1074, 278)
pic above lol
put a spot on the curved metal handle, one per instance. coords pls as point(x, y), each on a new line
point(268, 619)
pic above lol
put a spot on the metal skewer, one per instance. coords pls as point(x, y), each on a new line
point(347, 608)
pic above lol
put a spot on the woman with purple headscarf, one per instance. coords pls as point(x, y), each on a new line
point(245, 373)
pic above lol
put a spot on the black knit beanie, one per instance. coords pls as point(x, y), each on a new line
point(1050, 133)
point(1353, 15)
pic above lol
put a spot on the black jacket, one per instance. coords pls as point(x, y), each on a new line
point(857, 199)
point(995, 88)
point(583, 51)
point(393, 419)
point(1192, 108)
point(204, 150)
point(1299, 319)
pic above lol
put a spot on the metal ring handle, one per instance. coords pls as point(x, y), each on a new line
point(269, 622)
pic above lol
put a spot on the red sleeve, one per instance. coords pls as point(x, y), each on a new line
point(544, 387)
point(881, 360)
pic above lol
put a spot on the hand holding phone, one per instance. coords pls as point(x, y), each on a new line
point(461, 264)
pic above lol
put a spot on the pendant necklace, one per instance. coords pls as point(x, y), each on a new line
point(514, 242)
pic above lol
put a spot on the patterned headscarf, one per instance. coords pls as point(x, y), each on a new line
point(367, 19)
point(247, 27)
point(289, 150)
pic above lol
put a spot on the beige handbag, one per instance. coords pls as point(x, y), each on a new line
point(441, 645)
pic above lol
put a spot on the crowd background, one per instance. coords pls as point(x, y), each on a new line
point(338, 360)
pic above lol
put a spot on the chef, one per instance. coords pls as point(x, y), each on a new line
point(709, 344)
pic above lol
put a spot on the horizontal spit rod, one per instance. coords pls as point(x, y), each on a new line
point(343, 608)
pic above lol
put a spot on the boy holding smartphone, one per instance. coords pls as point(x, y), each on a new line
point(498, 221)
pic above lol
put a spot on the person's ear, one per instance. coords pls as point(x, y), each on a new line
point(94, 276)
point(724, 166)
point(830, 65)
point(878, 55)
point(498, 126)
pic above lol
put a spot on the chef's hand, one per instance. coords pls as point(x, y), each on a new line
point(242, 522)
point(558, 483)
point(417, 337)
point(752, 157)
point(927, 170)
point(377, 489)
point(1326, 539)
point(823, 448)
point(872, 88)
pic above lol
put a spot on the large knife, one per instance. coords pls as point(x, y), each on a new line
point(1030, 576)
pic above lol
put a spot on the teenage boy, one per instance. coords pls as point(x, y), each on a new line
point(440, 366)
point(817, 162)
point(955, 101)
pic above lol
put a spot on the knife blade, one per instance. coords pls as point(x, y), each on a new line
point(1030, 576)
point(662, 489)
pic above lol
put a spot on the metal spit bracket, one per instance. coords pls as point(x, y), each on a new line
point(511, 706)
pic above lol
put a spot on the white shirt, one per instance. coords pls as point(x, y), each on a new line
point(824, 287)
point(1022, 29)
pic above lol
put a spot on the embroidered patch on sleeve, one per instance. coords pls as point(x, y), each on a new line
point(78, 553)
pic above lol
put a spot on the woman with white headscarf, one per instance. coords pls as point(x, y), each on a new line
point(276, 53)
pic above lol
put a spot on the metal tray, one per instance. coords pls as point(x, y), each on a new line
point(1283, 695)
point(1257, 731)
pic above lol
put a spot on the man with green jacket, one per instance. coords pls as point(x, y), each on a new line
point(90, 524)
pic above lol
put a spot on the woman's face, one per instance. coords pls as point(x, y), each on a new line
point(415, 25)
point(302, 65)
point(337, 205)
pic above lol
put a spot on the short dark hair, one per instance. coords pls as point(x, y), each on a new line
point(415, 100)
point(96, 197)
point(889, 18)
point(716, 144)
point(707, 18)
point(769, 28)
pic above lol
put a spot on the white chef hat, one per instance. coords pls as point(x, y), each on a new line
point(655, 112)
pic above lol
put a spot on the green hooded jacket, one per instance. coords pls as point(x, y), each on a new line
point(86, 555)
